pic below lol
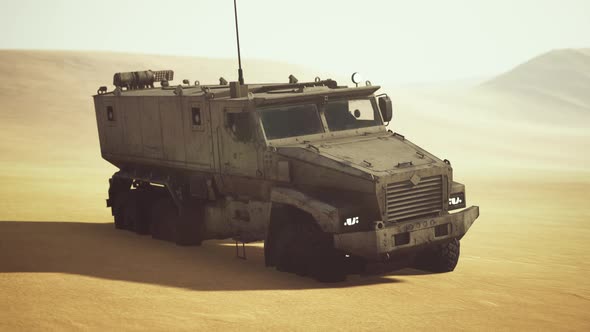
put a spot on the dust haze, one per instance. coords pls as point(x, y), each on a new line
point(518, 140)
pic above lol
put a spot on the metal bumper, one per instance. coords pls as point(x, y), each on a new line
point(403, 237)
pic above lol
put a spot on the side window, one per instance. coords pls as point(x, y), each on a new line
point(241, 126)
point(196, 116)
point(197, 120)
point(110, 113)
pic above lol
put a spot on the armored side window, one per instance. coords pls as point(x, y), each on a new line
point(241, 125)
point(196, 116)
point(110, 113)
point(197, 122)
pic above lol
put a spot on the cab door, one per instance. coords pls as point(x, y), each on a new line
point(238, 142)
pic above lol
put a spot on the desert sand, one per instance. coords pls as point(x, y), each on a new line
point(519, 141)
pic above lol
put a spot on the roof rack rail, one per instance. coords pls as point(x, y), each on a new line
point(330, 83)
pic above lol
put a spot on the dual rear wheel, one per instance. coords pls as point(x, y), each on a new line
point(151, 212)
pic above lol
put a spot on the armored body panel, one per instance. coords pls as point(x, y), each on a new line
point(156, 129)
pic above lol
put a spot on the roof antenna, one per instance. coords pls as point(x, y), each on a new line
point(240, 72)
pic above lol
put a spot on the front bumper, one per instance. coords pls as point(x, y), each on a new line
point(405, 237)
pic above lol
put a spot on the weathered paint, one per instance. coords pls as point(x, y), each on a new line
point(238, 174)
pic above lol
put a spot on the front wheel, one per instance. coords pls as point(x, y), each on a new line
point(442, 258)
point(297, 245)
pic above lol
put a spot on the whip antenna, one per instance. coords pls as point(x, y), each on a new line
point(240, 72)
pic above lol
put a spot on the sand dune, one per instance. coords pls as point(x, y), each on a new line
point(560, 77)
point(534, 117)
point(519, 141)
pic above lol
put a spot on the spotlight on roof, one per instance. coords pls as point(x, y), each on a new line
point(356, 78)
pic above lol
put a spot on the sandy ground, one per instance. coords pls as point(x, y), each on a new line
point(64, 266)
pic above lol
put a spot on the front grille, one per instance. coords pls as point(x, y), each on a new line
point(404, 200)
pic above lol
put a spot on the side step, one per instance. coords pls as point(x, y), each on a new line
point(243, 254)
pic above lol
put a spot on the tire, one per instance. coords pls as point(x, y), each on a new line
point(167, 225)
point(297, 245)
point(118, 195)
point(189, 228)
point(118, 210)
point(130, 211)
point(443, 258)
point(135, 216)
point(143, 200)
point(162, 214)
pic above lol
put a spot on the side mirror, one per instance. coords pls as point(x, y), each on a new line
point(386, 108)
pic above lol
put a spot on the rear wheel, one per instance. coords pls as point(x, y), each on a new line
point(130, 214)
point(150, 210)
point(189, 228)
point(144, 198)
point(119, 207)
point(135, 213)
point(442, 258)
point(118, 196)
point(162, 213)
point(166, 224)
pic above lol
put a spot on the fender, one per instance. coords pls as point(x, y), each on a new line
point(325, 215)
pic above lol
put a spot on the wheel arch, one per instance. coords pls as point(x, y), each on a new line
point(324, 215)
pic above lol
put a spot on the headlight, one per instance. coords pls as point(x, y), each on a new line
point(351, 221)
point(457, 201)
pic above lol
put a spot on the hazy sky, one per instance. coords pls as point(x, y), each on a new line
point(393, 41)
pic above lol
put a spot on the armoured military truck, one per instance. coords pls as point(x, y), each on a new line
point(309, 168)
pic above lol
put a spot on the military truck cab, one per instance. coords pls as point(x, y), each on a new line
point(309, 168)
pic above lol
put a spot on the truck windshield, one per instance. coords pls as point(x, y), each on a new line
point(290, 121)
point(352, 114)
